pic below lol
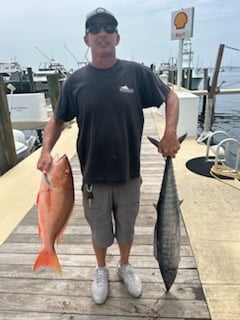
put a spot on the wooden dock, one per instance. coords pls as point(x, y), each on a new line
point(44, 295)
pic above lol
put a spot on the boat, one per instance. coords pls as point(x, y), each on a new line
point(15, 77)
point(192, 76)
point(24, 146)
point(49, 67)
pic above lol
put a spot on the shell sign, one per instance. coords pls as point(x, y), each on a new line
point(182, 24)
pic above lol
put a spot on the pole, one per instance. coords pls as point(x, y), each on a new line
point(30, 77)
point(212, 93)
point(179, 63)
point(216, 71)
point(8, 157)
point(205, 87)
point(53, 88)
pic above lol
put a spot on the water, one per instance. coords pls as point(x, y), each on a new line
point(227, 108)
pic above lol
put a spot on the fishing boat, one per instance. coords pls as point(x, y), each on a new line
point(7, 69)
point(14, 76)
point(191, 75)
point(49, 67)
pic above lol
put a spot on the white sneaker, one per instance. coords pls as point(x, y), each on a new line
point(131, 281)
point(100, 285)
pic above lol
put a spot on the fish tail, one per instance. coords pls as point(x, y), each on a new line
point(47, 258)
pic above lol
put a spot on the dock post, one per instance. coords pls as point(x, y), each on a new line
point(212, 93)
point(30, 77)
point(53, 88)
point(205, 87)
point(8, 157)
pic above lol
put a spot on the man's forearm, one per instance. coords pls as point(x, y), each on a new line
point(172, 112)
point(51, 134)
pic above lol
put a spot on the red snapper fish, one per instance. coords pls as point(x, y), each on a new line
point(55, 202)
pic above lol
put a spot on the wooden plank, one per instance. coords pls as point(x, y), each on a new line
point(150, 275)
point(83, 288)
point(82, 239)
point(162, 307)
point(90, 261)
point(23, 248)
point(70, 316)
point(83, 230)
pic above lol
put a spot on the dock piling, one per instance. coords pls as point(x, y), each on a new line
point(8, 157)
point(212, 93)
point(53, 88)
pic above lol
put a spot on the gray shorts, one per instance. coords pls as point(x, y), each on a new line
point(112, 211)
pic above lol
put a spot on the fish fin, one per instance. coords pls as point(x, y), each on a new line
point(183, 137)
point(156, 142)
point(48, 259)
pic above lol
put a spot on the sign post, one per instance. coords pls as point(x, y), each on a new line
point(182, 27)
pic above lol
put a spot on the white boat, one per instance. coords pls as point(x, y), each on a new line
point(196, 74)
point(24, 147)
point(7, 69)
point(15, 77)
point(48, 68)
point(170, 68)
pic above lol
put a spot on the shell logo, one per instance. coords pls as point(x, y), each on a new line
point(181, 20)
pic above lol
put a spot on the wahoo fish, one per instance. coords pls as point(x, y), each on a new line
point(167, 237)
point(55, 202)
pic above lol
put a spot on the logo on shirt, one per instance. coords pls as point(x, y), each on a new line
point(125, 89)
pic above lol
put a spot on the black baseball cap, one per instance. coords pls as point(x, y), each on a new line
point(98, 13)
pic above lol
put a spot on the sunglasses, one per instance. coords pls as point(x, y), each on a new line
point(97, 27)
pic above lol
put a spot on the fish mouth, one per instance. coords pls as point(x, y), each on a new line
point(45, 175)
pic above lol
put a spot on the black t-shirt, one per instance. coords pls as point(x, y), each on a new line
point(108, 106)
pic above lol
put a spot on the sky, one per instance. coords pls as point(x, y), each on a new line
point(33, 31)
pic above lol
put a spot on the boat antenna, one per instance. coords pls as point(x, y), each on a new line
point(79, 63)
point(74, 57)
point(42, 53)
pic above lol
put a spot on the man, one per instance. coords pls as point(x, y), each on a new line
point(107, 97)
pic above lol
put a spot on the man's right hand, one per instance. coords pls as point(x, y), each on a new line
point(44, 162)
point(52, 132)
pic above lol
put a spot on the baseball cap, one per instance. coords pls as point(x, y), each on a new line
point(98, 13)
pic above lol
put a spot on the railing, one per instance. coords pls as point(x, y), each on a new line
point(221, 150)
